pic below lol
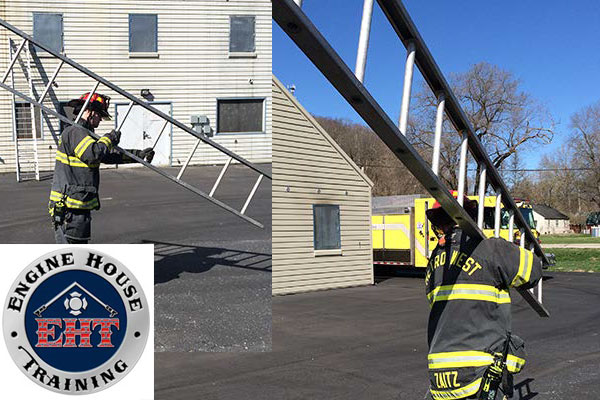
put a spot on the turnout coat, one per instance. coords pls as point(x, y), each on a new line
point(467, 285)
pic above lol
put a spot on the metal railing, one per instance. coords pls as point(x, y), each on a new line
point(28, 41)
point(306, 36)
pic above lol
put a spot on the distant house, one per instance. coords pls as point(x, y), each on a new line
point(549, 220)
point(321, 206)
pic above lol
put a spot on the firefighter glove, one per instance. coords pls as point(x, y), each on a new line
point(146, 154)
point(114, 136)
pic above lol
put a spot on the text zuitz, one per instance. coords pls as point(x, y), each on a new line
point(46, 332)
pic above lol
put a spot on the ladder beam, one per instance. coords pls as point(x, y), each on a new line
point(14, 114)
point(185, 165)
point(138, 159)
point(14, 60)
point(308, 39)
point(437, 139)
point(34, 125)
point(214, 188)
point(406, 30)
point(251, 195)
point(481, 205)
point(130, 97)
point(462, 169)
point(406, 90)
point(87, 101)
point(51, 82)
point(126, 115)
point(363, 40)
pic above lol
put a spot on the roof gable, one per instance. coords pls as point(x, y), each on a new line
point(320, 130)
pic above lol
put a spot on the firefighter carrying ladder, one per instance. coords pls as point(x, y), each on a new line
point(28, 41)
point(289, 16)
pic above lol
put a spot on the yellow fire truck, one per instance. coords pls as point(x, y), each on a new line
point(402, 235)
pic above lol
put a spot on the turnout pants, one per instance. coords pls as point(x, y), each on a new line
point(76, 228)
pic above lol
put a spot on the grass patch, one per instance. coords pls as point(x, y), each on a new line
point(568, 239)
point(576, 260)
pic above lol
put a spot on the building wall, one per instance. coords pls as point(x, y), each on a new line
point(309, 168)
point(192, 70)
point(551, 226)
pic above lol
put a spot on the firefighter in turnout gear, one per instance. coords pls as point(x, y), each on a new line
point(467, 284)
point(74, 192)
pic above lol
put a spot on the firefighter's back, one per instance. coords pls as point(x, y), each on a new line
point(467, 285)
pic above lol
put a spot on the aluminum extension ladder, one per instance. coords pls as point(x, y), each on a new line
point(27, 164)
point(38, 102)
point(289, 16)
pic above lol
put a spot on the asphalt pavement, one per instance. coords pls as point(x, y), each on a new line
point(370, 343)
point(212, 269)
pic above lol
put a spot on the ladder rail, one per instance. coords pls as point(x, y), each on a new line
point(130, 97)
point(136, 158)
point(34, 124)
point(14, 113)
point(308, 39)
point(406, 30)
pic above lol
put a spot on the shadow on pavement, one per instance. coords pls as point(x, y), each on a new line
point(175, 259)
point(524, 391)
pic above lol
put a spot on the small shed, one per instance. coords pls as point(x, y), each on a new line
point(321, 206)
point(548, 220)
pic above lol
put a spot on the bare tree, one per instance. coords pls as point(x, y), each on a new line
point(585, 145)
point(505, 118)
point(388, 174)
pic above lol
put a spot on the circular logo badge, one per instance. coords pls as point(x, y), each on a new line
point(76, 321)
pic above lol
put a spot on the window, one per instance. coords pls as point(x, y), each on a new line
point(143, 33)
point(326, 227)
point(48, 30)
point(23, 119)
point(241, 34)
point(240, 115)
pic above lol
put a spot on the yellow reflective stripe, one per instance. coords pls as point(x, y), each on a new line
point(459, 359)
point(464, 391)
point(105, 140)
point(467, 291)
point(525, 267)
point(73, 161)
point(464, 359)
point(73, 203)
point(514, 363)
point(83, 145)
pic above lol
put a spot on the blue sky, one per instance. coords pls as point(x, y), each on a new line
point(552, 46)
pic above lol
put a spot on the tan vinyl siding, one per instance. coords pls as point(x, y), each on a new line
point(192, 71)
point(309, 168)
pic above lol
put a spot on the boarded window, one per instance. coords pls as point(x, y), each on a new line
point(48, 30)
point(240, 116)
point(242, 34)
point(143, 33)
point(326, 227)
point(23, 118)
